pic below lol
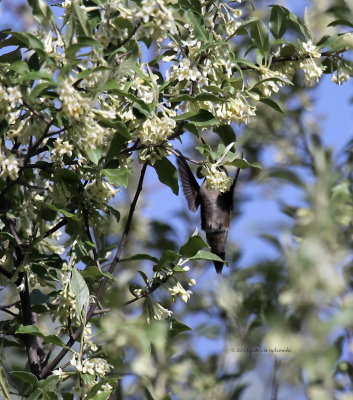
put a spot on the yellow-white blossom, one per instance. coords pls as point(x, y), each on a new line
point(311, 49)
point(156, 130)
point(236, 109)
point(91, 366)
point(61, 148)
point(100, 191)
point(185, 71)
point(270, 86)
point(9, 166)
point(73, 104)
point(216, 178)
point(312, 71)
point(14, 96)
point(179, 290)
point(340, 77)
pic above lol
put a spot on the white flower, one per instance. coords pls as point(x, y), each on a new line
point(179, 290)
point(184, 71)
point(311, 49)
point(216, 178)
point(14, 96)
point(269, 86)
point(237, 109)
point(312, 71)
point(73, 104)
point(100, 191)
point(155, 130)
point(9, 166)
point(61, 148)
point(340, 77)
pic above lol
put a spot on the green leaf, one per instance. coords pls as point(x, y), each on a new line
point(242, 164)
point(260, 38)
point(38, 297)
point(272, 104)
point(194, 5)
point(148, 395)
point(81, 21)
point(298, 24)
point(192, 246)
point(67, 175)
point(117, 144)
point(49, 383)
point(177, 327)
point(138, 257)
point(114, 212)
point(95, 154)
point(343, 22)
point(41, 87)
point(4, 384)
point(278, 21)
point(226, 133)
point(200, 30)
point(80, 289)
point(116, 175)
point(168, 257)
point(205, 255)
point(33, 330)
point(41, 11)
point(94, 273)
point(199, 97)
point(26, 377)
point(285, 174)
point(167, 174)
point(82, 42)
point(198, 118)
point(11, 57)
point(28, 40)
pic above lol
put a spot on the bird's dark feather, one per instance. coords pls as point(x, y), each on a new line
point(189, 183)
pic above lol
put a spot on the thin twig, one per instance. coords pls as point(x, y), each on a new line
point(8, 311)
point(5, 272)
point(47, 369)
point(55, 228)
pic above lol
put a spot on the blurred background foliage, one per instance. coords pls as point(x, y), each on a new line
point(299, 298)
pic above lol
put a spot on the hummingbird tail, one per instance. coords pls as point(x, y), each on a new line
point(219, 264)
point(217, 240)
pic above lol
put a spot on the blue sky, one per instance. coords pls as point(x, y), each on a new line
point(259, 214)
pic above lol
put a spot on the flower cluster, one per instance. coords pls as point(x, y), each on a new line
point(178, 289)
point(10, 97)
point(185, 71)
point(93, 366)
point(155, 310)
point(270, 86)
point(216, 178)
point(312, 71)
point(340, 77)
point(144, 91)
point(100, 191)
point(66, 301)
point(310, 49)
point(73, 104)
point(236, 109)
point(61, 148)
point(9, 166)
point(156, 130)
point(157, 19)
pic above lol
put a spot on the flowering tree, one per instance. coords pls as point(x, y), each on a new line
point(83, 116)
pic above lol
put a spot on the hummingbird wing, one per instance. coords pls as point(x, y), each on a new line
point(190, 186)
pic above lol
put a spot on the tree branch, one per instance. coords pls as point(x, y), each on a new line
point(47, 370)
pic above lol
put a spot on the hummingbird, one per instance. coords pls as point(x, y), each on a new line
point(216, 208)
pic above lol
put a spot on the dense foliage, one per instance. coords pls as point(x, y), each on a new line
point(91, 96)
